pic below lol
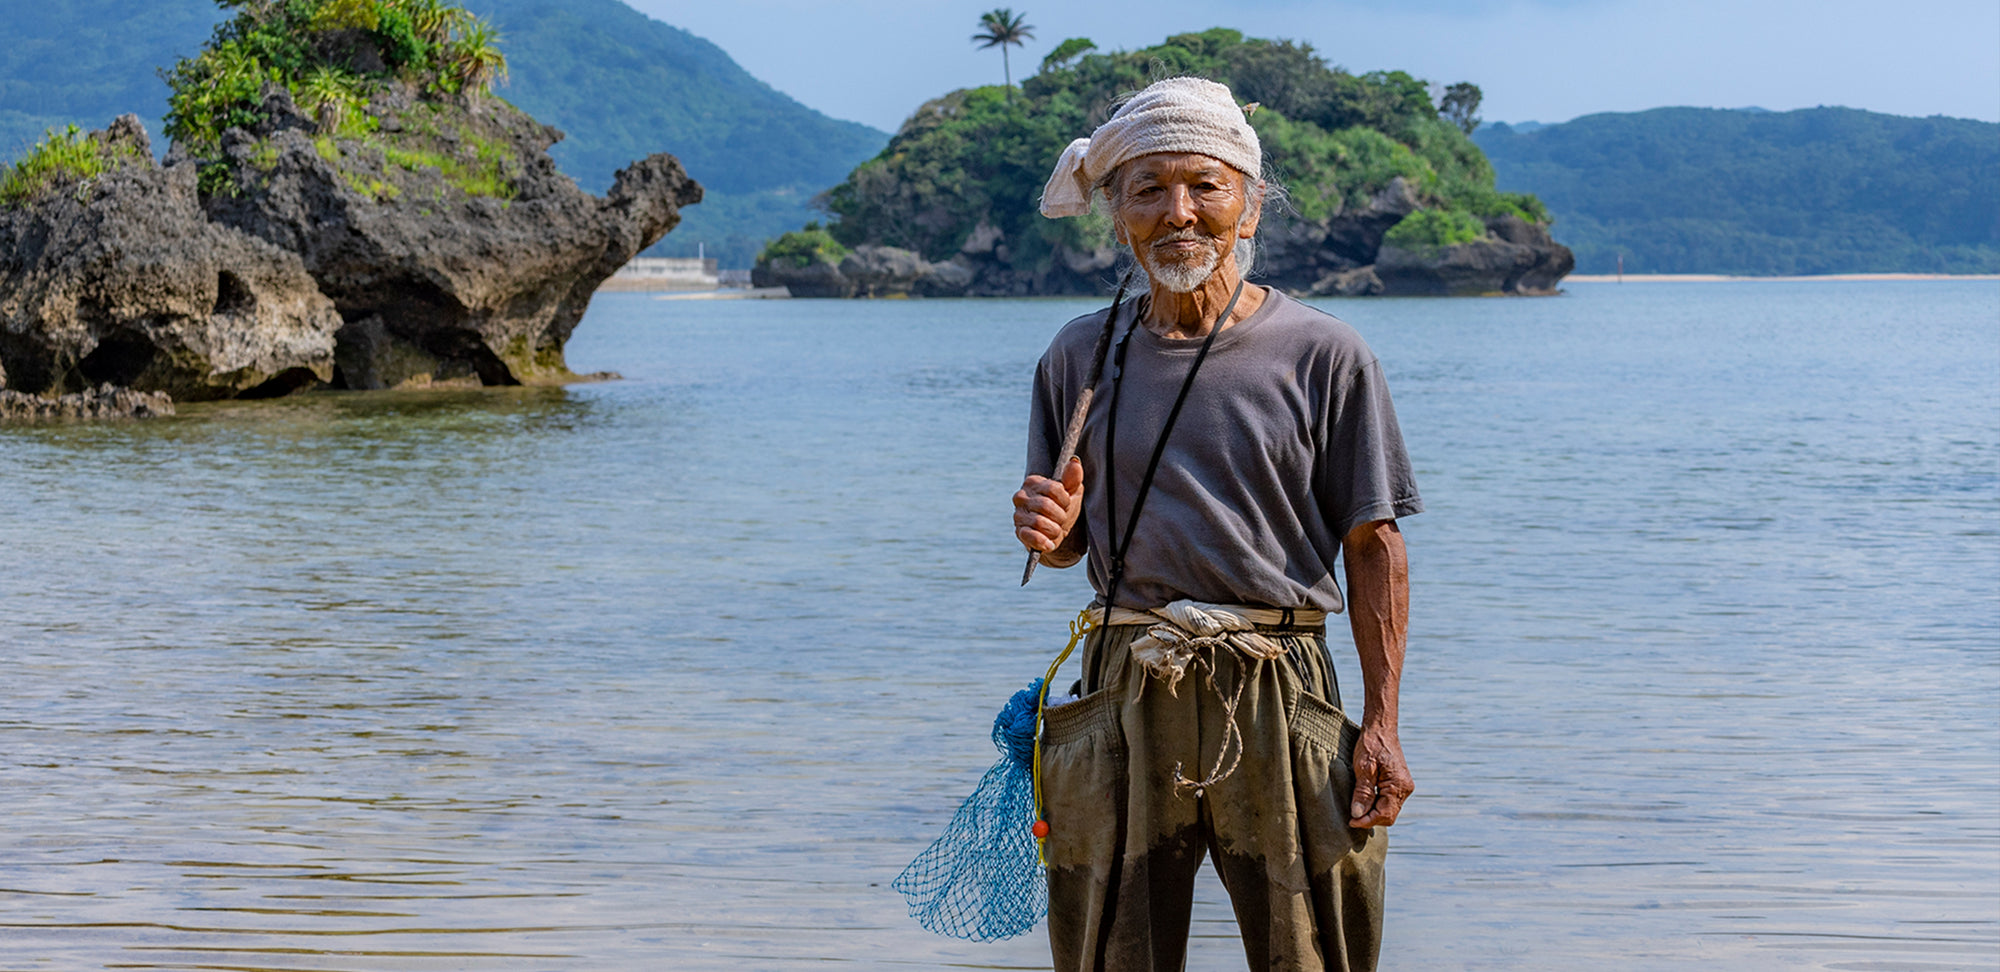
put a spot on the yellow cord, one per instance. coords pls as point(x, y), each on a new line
point(1077, 629)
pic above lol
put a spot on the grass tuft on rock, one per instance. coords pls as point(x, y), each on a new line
point(383, 84)
point(477, 167)
point(63, 158)
point(331, 55)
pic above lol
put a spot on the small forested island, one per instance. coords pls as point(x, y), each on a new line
point(1386, 193)
point(345, 204)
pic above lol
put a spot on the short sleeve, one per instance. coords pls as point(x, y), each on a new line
point(1364, 473)
point(1045, 404)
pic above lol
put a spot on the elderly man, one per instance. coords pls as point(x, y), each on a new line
point(1236, 443)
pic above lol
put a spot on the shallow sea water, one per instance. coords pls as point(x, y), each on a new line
point(678, 671)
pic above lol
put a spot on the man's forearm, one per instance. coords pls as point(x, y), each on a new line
point(1378, 609)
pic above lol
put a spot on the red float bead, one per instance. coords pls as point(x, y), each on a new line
point(1040, 829)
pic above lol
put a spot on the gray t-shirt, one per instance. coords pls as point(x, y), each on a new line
point(1288, 440)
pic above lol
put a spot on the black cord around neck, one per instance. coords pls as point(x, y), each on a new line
point(1119, 545)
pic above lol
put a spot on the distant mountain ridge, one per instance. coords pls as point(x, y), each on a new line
point(84, 62)
point(1750, 191)
point(620, 84)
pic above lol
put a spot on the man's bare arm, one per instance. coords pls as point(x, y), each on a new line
point(1378, 608)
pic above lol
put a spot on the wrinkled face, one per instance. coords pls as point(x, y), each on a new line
point(1182, 213)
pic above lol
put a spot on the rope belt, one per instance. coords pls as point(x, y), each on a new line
point(1267, 617)
point(1188, 633)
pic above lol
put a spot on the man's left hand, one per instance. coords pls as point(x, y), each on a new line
point(1381, 778)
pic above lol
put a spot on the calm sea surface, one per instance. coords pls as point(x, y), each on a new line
point(677, 672)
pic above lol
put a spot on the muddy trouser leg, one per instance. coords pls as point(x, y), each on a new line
point(1125, 846)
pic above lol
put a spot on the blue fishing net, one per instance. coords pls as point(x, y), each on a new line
point(982, 879)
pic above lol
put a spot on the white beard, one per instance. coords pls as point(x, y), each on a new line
point(1183, 278)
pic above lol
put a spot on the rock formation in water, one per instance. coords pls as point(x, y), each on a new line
point(452, 247)
point(1341, 255)
point(868, 271)
point(107, 401)
point(1516, 257)
point(443, 247)
point(1367, 159)
point(125, 280)
point(1345, 255)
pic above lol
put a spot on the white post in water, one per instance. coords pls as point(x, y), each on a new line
point(701, 251)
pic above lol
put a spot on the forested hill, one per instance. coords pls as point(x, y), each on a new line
point(620, 84)
point(85, 62)
point(1819, 190)
point(624, 85)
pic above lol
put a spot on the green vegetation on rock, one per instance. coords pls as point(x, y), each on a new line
point(1431, 228)
point(1333, 138)
point(1819, 190)
point(385, 83)
point(62, 159)
point(803, 248)
point(331, 55)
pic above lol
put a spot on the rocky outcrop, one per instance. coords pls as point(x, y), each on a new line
point(883, 271)
point(104, 402)
point(952, 278)
point(453, 249)
point(1344, 255)
point(1517, 257)
point(1358, 282)
point(816, 279)
point(869, 271)
point(1300, 255)
point(1341, 255)
point(988, 260)
point(124, 280)
point(443, 248)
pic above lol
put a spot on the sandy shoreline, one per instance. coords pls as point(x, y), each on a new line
point(1716, 277)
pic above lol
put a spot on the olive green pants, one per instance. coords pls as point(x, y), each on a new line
point(1125, 845)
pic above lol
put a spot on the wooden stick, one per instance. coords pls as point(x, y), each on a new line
point(1074, 434)
point(1070, 438)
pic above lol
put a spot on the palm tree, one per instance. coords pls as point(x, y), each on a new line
point(473, 60)
point(329, 95)
point(436, 21)
point(999, 28)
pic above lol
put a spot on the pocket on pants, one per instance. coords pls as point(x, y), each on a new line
point(1083, 780)
point(1322, 740)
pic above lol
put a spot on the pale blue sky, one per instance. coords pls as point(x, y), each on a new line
point(1543, 60)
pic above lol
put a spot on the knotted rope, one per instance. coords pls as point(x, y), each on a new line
point(1191, 633)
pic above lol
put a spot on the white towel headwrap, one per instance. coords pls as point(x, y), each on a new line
point(1175, 115)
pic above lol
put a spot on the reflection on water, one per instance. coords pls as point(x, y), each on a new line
point(678, 671)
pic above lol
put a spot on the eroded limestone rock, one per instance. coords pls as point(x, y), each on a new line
point(456, 242)
point(124, 280)
point(104, 402)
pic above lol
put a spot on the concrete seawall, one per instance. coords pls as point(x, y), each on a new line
point(665, 273)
